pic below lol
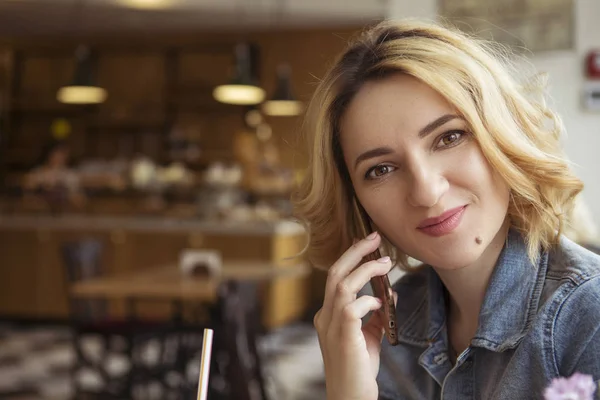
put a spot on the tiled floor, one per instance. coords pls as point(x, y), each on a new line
point(34, 363)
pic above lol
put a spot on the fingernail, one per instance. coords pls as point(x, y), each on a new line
point(372, 236)
point(384, 260)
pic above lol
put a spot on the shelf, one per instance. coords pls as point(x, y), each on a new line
point(127, 125)
point(151, 102)
point(53, 109)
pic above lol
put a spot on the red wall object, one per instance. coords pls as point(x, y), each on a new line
point(593, 64)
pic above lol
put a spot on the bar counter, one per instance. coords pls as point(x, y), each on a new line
point(150, 224)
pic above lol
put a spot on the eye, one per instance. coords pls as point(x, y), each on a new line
point(450, 139)
point(378, 171)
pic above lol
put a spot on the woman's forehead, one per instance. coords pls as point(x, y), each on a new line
point(396, 104)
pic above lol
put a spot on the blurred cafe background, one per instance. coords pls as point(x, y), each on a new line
point(148, 149)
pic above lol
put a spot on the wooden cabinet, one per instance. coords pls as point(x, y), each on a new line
point(19, 272)
point(33, 281)
point(285, 296)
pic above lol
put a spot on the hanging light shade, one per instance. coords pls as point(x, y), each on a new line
point(82, 90)
point(243, 89)
point(283, 103)
point(2, 122)
point(148, 4)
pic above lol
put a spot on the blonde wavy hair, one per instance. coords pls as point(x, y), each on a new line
point(517, 133)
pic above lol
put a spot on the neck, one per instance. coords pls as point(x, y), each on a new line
point(467, 286)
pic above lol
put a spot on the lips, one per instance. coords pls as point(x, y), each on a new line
point(444, 223)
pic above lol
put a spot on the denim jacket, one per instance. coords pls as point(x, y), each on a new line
point(537, 322)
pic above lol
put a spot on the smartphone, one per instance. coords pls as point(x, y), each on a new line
point(380, 284)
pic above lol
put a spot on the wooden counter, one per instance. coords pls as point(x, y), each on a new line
point(32, 276)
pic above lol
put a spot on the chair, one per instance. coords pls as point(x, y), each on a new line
point(93, 328)
point(236, 359)
point(153, 355)
point(236, 364)
point(83, 262)
point(164, 371)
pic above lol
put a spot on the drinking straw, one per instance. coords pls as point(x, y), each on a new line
point(205, 364)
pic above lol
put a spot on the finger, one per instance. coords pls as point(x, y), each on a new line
point(375, 326)
point(348, 288)
point(355, 253)
point(317, 320)
point(320, 328)
point(348, 323)
point(317, 324)
point(343, 266)
point(358, 278)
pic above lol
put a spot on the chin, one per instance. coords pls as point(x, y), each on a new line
point(452, 257)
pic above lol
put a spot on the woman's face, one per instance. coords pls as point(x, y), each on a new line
point(59, 157)
point(420, 174)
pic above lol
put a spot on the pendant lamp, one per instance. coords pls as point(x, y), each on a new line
point(2, 122)
point(82, 90)
point(283, 103)
point(148, 4)
point(243, 88)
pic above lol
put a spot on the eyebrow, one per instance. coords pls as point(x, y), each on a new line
point(377, 152)
point(432, 126)
point(383, 151)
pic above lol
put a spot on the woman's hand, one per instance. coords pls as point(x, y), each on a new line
point(350, 350)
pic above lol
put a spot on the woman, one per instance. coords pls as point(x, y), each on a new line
point(53, 180)
point(460, 168)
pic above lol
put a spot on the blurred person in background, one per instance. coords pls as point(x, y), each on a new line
point(459, 168)
point(53, 180)
point(259, 157)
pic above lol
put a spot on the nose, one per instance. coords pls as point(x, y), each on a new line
point(427, 186)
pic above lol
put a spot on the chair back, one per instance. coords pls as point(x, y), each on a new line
point(83, 261)
point(239, 316)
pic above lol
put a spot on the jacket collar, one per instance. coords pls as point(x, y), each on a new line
point(509, 306)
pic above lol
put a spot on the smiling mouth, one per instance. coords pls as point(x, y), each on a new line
point(443, 224)
point(440, 218)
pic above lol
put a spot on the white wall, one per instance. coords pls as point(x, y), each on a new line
point(566, 82)
point(565, 69)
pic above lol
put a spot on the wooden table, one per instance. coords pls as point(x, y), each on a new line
point(167, 283)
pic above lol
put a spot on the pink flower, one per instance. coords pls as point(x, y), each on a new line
point(576, 387)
